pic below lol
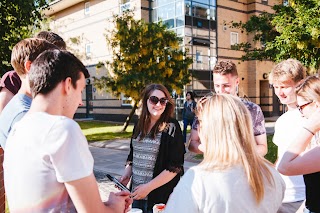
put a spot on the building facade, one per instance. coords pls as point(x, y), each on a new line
point(202, 24)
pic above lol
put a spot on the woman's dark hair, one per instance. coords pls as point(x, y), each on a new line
point(191, 95)
point(144, 120)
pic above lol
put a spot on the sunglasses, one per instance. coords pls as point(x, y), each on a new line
point(154, 100)
point(303, 106)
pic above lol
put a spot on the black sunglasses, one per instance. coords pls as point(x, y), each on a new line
point(303, 106)
point(154, 100)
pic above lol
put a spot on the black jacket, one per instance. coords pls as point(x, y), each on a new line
point(170, 157)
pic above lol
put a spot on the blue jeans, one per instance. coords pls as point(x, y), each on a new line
point(143, 205)
point(305, 210)
point(186, 122)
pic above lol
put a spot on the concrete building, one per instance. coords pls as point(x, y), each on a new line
point(203, 25)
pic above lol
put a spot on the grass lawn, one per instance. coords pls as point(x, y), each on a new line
point(272, 150)
point(101, 131)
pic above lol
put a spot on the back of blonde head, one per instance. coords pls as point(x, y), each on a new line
point(309, 89)
point(226, 133)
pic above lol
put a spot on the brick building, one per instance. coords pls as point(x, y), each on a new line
point(201, 23)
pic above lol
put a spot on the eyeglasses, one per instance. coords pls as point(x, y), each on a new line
point(303, 106)
point(155, 100)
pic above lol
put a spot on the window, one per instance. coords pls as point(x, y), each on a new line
point(199, 57)
point(87, 8)
point(125, 7)
point(126, 101)
point(286, 2)
point(234, 38)
point(264, 1)
point(88, 50)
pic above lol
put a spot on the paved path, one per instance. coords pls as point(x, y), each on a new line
point(110, 157)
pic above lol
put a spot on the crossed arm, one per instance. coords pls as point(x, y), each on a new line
point(297, 160)
point(261, 143)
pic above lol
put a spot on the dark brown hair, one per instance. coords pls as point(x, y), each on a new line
point(53, 67)
point(144, 120)
point(52, 38)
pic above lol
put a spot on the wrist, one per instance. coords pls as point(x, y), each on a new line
point(308, 129)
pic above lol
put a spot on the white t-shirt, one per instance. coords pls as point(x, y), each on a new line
point(222, 191)
point(42, 153)
point(287, 127)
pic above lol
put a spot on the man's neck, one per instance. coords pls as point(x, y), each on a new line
point(25, 88)
point(25, 91)
point(292, 106)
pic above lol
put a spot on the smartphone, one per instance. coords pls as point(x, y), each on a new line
point(118, 184)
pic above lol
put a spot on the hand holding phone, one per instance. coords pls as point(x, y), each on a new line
point(118, 184)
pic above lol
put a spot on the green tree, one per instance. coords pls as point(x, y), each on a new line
point(18, 20)
point(143, 53)
point(292, 31)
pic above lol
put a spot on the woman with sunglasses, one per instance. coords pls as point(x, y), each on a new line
point(232, 176)
point(155, 161)
point(303, 156)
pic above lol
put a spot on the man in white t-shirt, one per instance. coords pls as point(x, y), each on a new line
point(48, 166)
point(284, 77)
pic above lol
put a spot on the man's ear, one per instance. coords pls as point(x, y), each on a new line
point(237, 81)
point(67, 84)
point(27, 66)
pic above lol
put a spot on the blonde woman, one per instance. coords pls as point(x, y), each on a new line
point(232, 176)
point(303, 156)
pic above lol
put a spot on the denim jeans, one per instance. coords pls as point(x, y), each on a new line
point(305, 210)
point(186, 122)
point(143, 205)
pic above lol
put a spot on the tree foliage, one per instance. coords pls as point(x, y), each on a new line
point(18, 20)
point(143, 53)
point(292, 31)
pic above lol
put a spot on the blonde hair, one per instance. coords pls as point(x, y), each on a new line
point(290, 69)
point(309, 89)
point(227, 135)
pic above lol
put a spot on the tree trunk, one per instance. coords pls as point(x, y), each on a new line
point(126, 123)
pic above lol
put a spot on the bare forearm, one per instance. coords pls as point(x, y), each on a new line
point(194, 147)
point(194, 142)
point(262, 149)
point(292, 162)
point(261, 144)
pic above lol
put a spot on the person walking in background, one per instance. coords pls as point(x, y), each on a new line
point(48, 166)
point(226, 80)
point(23, 54)
point(303, 155)
point(188, 113)
point(284, 78)
point(156, 157)
point(232, 176)
point(10, 82)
